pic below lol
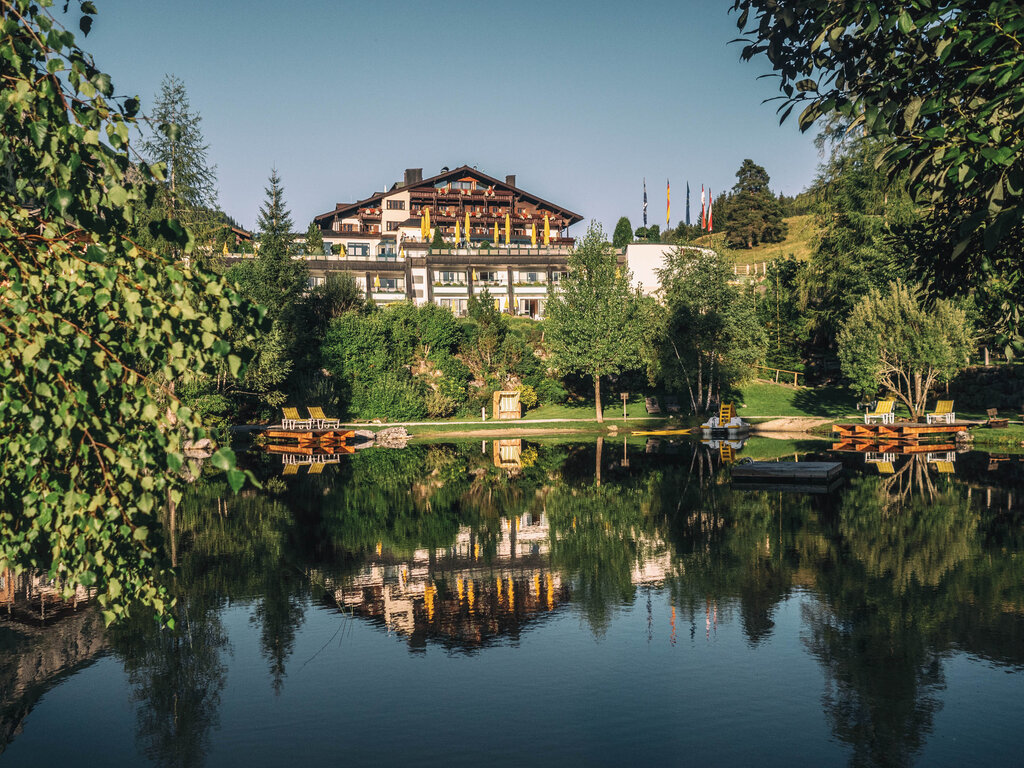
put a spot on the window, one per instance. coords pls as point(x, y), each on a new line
point(393, 226)
point(557, 276)
point(336, 226)
point(388, 285)
point(531, 277)
point(348, 227)
point(358, 249)
point(396, 205)
point(450, 277)
point(488, 277)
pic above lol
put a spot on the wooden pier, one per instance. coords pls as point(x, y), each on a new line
point(902, 432)
point(323, 438)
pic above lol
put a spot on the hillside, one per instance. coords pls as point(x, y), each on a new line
point(799, 242)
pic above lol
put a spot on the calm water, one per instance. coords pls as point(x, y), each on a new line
point(551, 604)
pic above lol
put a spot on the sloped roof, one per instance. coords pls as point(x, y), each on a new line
point(454, 174)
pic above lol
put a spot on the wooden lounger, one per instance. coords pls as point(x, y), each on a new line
point(652, 405)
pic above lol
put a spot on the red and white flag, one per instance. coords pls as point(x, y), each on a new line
point(709, 210)
point(703, 215)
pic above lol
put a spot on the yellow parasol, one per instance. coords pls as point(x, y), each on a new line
point(458, 233)
point(376, 281)
point(508, 229)
point(495, 233)
point(533, 235)
point(425, 224)
point(225, 247)
point(467, 228)
point(547, 230)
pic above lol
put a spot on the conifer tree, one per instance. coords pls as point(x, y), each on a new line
point(623, 234)
point(190, 183)
point(275, 220)
point(754, 214)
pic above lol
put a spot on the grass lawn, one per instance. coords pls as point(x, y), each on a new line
point(799, 242)
point(765, 400)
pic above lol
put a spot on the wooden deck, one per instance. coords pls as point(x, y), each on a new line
point(901, 432)
point(862, 445)
point(788, 471)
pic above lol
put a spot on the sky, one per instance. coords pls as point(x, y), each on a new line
point(580, 100)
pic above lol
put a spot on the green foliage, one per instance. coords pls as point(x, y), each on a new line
point(711, 333)
point(527, 396)
point(651, 234)
point(437, 241)
point(594, 323)
point(780, 312)
point(95, 330)
point(314, 245)
point(623, 234)
point(891, 340)
point(753, 215)
point(938, 84)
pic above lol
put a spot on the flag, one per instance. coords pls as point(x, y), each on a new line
point(709, 209)
point(645, 202)
point(533, 235)
point(467, 228)
point(702, 212)
point(547, 230)
point(687, 203)
point(508, 229)
point(668, 203)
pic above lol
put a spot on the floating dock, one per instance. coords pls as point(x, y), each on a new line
point(788, 471)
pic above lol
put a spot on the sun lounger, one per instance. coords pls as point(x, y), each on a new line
point(672, 404)
point(652, 405)
point(884, 412)
point(943, 413)
point(292, 420)
point(320, 420)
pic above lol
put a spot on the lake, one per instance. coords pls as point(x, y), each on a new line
point(550, 603)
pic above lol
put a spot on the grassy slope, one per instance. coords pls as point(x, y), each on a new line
point(799, 242)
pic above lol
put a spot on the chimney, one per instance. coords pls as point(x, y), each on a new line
point(511, 179)
point(413, 176)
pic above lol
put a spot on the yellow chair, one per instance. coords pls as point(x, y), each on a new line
point(320, 419)
point(885, 468)
point(884, 411)
point(316, 468)
point(943, 412)
point(945, 467)
point(290, 469)
point(293, 420)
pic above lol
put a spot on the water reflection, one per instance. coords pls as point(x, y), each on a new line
point(469, 546)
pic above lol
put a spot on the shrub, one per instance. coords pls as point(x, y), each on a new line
point(440, 405)
point(551, 391)
point(527, 396)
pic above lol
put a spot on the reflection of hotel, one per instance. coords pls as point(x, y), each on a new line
point(33, 595)
point(499, 237)
point(458, 597)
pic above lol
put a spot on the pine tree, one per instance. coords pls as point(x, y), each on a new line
point(753, 214)
point(190, 182)
point(275, 220)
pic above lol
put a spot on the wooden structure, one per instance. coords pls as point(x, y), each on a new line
point(994, 421)
point(651, 404)
point(793, 476)
point(311, 441)
point(506, 405)
point(508, 453)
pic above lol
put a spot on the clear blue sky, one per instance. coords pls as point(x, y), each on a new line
point(580, 100)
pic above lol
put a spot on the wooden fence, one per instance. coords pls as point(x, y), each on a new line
point(778, 371)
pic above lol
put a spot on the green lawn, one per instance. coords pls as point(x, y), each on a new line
point(765, 400)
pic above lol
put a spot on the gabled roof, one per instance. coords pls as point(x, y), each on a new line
point(454, 174)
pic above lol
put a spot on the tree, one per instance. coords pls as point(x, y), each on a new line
point(623, 235)
point(176, 142)
point(275, 220)
point(594, 320)
point(780, 311)
point(938, 84)
point(95, 329)
point(711, 336)
point(753, 215)
point(437, 241)
point(314, 240)
point(892, 340)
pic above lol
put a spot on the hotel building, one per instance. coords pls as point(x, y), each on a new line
point(499, 238)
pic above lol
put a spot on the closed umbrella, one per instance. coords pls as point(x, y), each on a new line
point(508, 229)
point(533, 235)
point(547, 230)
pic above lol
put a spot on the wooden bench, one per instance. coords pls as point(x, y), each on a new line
point(994, 421)
point(651, 403)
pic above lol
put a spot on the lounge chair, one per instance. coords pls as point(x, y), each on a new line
point(884, 412)
point(994, 421)
point(290, 469)
point(316, 468)
point(672, 404)
point(292, 420)
point(320, 420)
point(943, 412)
point(652, 405)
